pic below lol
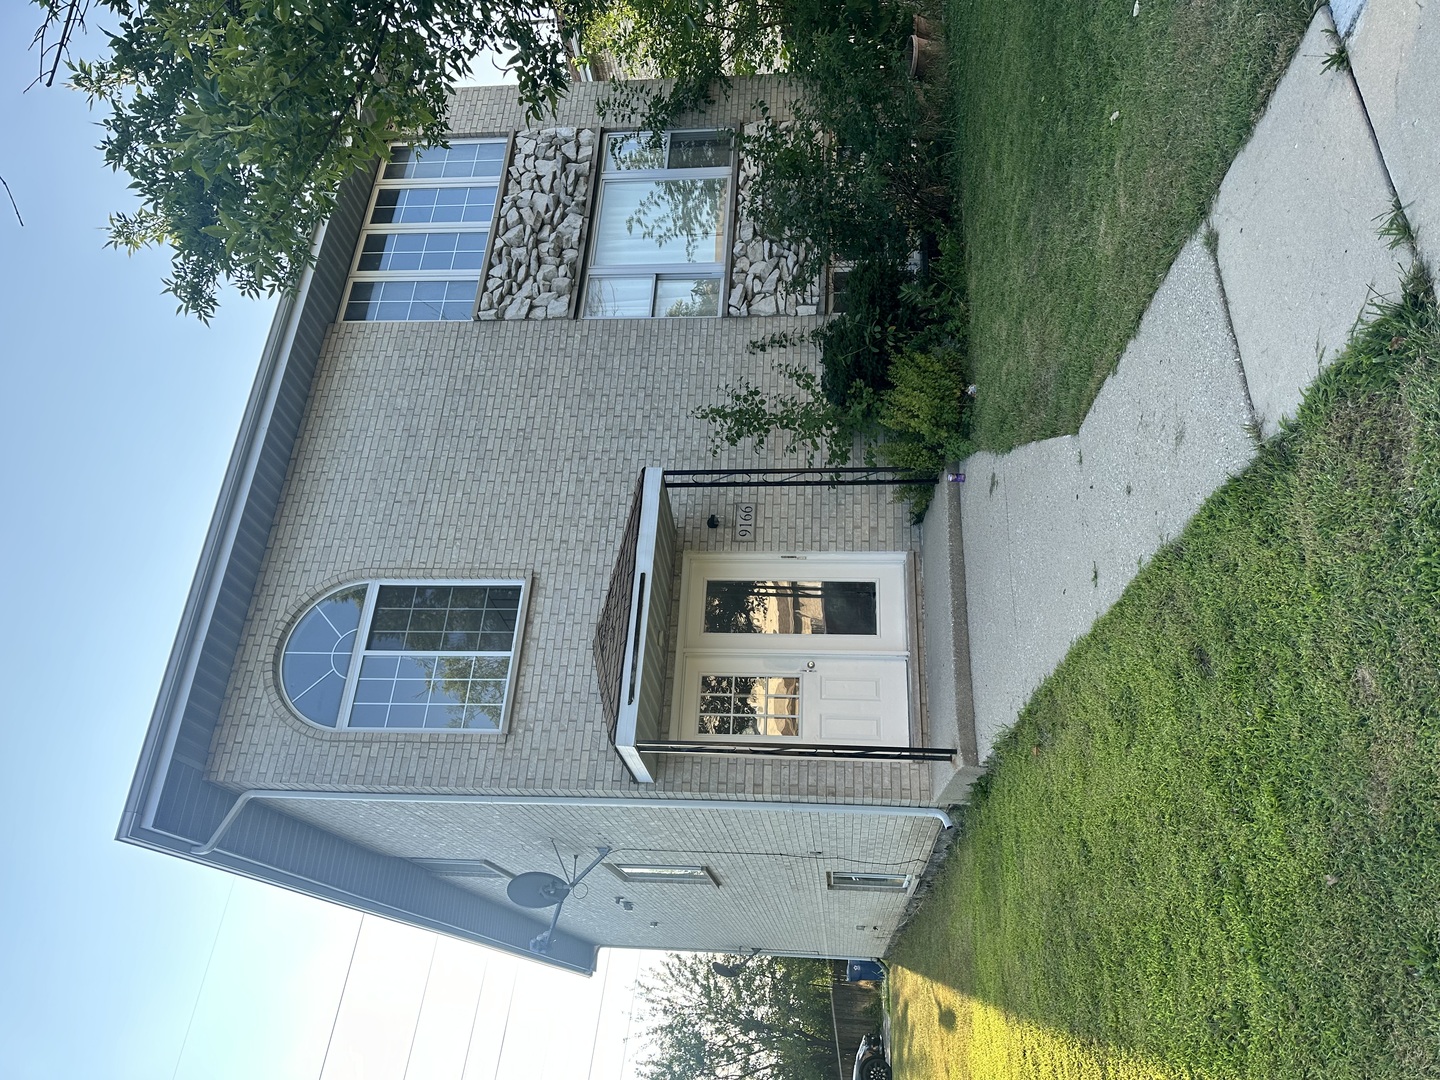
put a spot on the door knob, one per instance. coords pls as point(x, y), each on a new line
point(810, 666)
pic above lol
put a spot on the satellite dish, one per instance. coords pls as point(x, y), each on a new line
point(537, 889)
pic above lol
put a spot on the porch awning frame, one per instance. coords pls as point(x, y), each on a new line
point(632, 634)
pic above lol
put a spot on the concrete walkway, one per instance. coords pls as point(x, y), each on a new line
point(1052, 532)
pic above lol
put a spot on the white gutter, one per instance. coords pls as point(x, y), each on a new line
point(578, 801)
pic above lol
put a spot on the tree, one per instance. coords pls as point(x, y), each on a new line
point(770, 1019)
point(237, 120)
point(699, 45)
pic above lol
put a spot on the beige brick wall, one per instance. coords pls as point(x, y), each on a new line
point(498, 449)
point(494, 110)
point(771, 867)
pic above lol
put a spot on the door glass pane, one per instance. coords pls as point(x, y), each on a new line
point(682, 297)
point(749, 705)
point(667, 222)
point(790, 607)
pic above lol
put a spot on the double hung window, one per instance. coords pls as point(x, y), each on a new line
point(425, 233)
point(662, 226)
point(405, 655)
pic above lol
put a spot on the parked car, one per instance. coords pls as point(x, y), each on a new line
point(870, 1063)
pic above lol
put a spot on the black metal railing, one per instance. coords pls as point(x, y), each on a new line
point(856, 751)
point(850, 476)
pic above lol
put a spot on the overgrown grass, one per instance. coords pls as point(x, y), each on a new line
point(1211, 846)
point(1070, 219)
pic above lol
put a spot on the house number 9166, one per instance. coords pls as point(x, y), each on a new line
point(745, 522)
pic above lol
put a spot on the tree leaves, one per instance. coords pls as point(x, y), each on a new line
point(239, 119)
point(770, 1019)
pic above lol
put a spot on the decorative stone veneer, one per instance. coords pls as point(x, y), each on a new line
point(535, 261)
point(762, 274)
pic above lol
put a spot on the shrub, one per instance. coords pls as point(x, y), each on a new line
point(922, 416)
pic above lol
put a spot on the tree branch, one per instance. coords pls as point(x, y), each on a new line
point(13, 205)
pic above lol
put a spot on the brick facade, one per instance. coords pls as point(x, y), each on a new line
point(509, 448)
point(771, 868)
point(503, 449)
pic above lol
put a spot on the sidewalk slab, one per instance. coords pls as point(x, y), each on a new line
point(1170, 426)
point(1395, 57)
point(1054, 531)
point(1298, 217)
point(1020, 526)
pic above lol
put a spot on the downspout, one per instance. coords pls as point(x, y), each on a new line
point(582, 802)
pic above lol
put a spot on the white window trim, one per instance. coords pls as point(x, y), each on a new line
point(367, 227)
point(352, 677)
point(646, 873)
point(656, 272)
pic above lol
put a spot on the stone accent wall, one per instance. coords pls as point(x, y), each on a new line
point(762, 274)
point(534, 268)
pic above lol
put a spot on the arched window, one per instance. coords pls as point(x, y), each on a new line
point(407, 655)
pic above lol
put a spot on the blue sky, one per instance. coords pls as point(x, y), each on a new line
point(118, 420)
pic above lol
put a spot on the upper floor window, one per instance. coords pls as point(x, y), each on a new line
point(405, 655)
point(662, 225)
point(425, 233)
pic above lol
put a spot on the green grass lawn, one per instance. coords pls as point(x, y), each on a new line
point(1069, 218)
point(1211, 845)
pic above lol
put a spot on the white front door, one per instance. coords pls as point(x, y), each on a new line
point(812, 648)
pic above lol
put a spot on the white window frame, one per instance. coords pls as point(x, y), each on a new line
point(657, 272)
point(664, 874)
point(369, 228)
point(861, 881)
point(359, 651)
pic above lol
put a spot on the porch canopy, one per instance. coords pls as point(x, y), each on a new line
point(633, 635)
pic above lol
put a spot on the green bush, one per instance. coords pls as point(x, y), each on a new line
point(856, 346)
point(925, 399)
point(921, 416)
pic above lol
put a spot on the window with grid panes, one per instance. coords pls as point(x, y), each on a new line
point(662, 226)
point(423, 242)
point(406, 655)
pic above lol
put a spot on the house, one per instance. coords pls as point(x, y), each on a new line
point(478, 601)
